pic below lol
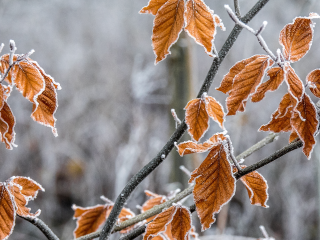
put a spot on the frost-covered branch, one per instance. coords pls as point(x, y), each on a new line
point(237, 8)
point(175, 117)
point(257, 33)
point(146, 170)
point(42, 227)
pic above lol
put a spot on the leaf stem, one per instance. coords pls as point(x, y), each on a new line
point(146, 170)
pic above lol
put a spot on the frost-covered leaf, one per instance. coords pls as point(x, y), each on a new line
point(7, 124)
point(246, 82)
point(167, 25)
point(28, 80)
point(4, 65)
point(276, 75)
point(214, 185)
point(160, 223)
point(153, 6)
point(313, 81)
point(189, 147)
point(296, 38)
point(29, 187)
point(89, 219)
point(280, 119)
point(295, 85)
point(305, 122)
point(45, 107)
point(197, 118)
point(174, 223)
point(227, 81)
point(7, 212)
point(215, 110)
point(256, 186)
point(200, 24)
point(154, 200)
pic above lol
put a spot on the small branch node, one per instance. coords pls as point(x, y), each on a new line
point(12, 46)
point(175, 117)
point(263, 26)
point(203, 96)
point(185, 170)
point(163, 156)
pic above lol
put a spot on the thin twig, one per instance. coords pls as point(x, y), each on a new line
point(146, 170)
point(185, 170)
point(237, 8)
point(42, 227)
point(233, 159)
point(13, 49)
point(175, 117)
point(257, 33)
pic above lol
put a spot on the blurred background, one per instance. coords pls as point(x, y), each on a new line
point(114, 113)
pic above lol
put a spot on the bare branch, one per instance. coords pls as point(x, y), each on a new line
point(175, 117)
point(42, 227)
point(256, 33)
point(146, 170)
point(185, 170)
point(237, 8)
point(13, 48)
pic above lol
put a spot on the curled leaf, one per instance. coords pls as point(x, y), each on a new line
point(313, 81)
point(7, 124)
point(295, 85)
point(153, 6)
point(215, 110)
point(7, 212)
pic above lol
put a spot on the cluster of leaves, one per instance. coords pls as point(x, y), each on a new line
point(16, 192)
point(35, 85)
point(172, 16)
point(296, 112)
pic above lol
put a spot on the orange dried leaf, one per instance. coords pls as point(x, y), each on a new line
point(90, 220)
point(29, 80)
point(7, 212)
point(227, 81)
point(313, 81)
point(197, 118)
point(276, 75)
point(189, 147)
point(45, 107)
point(305, 122)
point(200, 24)
point(153, 6)
point(293, 136)
point(153, 201)
point(181, 223)
point(21, 201)
point(215, 110)
point(29, 187)
point(295, 86)
point(257, 188)
point(160, 223)
point(168, 24)
point(4, 65)
point(246, 82)
point(7, 124)
point(214, 185)
point(46, 76)
point(280, 119)
point(296, 38)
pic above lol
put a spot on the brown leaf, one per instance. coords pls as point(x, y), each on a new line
point(189, 147)
point(21, 201)
point(46, 76)
point(313, 81)
point(167, 26)
point(276, 75)
point(257, 188)
point(7, 212)
point(91, 218)
point(295, 86)
point(305, 122)
point(215, 110)
point(29, 187)
point(293, 136)
point(197, 118)
point(153, 201)
point(45, 107)
point(181, 223)
point(200, 24)
point(280, 119)
point(214, 185)
point(296, 38)
point(153, 6)
point(227, 81)
point(160, 223)
point(4, 65)
point(7, 124)
point(246, 82)
point(28, 80)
